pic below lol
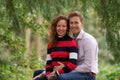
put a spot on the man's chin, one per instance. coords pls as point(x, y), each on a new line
point(74, 32)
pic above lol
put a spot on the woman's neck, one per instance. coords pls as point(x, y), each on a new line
point(61, 36)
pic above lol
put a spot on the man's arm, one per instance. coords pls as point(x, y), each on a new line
point(90, 49)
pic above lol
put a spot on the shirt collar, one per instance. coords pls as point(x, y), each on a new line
point(80, 35)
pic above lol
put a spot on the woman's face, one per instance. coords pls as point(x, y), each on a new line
point(61, 27)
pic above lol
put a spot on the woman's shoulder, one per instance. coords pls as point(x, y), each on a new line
point(69, 37)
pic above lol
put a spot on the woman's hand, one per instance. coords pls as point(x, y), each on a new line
point(51, 75)
point(57, 68)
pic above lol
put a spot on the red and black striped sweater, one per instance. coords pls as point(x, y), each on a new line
point(66, 51)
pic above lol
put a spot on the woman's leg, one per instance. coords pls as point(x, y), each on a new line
point(37, 72)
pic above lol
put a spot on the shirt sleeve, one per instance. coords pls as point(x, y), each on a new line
point(49, 67)
point(90, 48)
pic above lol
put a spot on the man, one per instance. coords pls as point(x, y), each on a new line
point(87, 66)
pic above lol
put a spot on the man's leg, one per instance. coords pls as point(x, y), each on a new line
point(37, 72)
point(76, 76)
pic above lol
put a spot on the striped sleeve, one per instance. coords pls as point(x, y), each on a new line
point(73, 55)
point(49, 67)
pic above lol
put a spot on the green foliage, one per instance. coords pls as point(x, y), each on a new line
point(108, 71)
point(11, 60)
point(109, 14)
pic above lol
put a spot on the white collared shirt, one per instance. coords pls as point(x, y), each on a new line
point(88, 53)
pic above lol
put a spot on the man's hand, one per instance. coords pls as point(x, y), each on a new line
point(61, 65)
point(39, 76)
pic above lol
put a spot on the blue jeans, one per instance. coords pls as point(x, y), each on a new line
point(76, 76)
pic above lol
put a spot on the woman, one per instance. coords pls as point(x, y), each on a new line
point(61, 49)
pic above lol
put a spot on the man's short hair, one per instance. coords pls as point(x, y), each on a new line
point(76, 13)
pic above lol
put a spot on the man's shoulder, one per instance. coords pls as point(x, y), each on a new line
point(88, 37)
point(89, 40)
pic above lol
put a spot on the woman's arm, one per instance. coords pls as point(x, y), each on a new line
point(73, 55)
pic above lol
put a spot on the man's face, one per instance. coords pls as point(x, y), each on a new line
point(75, 25)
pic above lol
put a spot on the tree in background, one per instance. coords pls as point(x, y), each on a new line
point(24, 22)
point(109, 13)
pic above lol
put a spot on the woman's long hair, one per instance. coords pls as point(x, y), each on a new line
point(53, 33)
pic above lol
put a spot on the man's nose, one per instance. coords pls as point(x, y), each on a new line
point(73, 25)
point(61, 27)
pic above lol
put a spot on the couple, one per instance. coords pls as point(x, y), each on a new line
point(67, 60)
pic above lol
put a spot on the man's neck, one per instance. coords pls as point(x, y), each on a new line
point(75, 35)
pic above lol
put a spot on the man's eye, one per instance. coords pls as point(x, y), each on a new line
point(76, 22)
